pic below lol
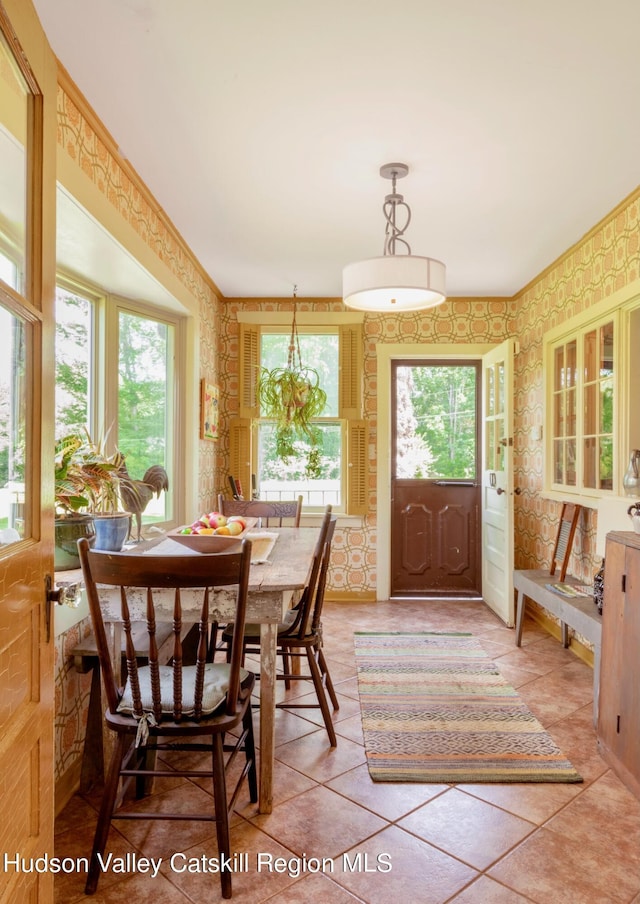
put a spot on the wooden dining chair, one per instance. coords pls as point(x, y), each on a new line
point(271, 513)
point(171, 707)
point(300, 635)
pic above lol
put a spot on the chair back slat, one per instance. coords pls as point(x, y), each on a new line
point(152, 575)
point(177, 656)
point(130, 653)
point(154, 665)
point(271, 513)
point(201, 655)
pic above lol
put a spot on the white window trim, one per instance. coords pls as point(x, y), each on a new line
point(618, 308)
point(103, 400)
point(316, 321)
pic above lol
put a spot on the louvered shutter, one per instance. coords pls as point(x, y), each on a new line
point(240, 435)
point(357, 467)
point(248, 370)
point(351, 370)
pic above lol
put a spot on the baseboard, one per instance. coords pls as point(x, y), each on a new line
point(345, 596)
point(67, 785)
point(538, 615)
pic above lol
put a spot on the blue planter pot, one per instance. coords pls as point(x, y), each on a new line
point(111, 531)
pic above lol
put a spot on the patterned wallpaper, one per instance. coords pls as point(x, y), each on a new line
point(603, 262)
point(90, 149)
point(353, 558)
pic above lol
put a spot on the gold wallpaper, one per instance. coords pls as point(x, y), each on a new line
point(606, 260)
point(603, 262)
point(353, 558)
point(90, 148)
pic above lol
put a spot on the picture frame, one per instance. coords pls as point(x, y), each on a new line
point(209, 410)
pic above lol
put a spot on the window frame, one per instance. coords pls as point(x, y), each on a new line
point(262, 421)
point(243, 441)
point(622, 310)
point(103, 388)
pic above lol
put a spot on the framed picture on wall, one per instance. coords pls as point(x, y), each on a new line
point(209, 398)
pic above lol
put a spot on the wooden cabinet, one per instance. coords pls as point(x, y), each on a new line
point(619, 711)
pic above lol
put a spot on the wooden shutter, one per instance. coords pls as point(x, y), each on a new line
point(248, 370)
point(357, 467)
point(240, 436)
point(351, 370)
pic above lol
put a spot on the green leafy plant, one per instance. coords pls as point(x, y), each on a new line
point(86, 478)
point(292, 397)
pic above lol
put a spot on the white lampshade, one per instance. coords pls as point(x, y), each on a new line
point(394, 283)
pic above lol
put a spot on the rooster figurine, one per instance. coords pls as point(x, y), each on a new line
point(137, 494)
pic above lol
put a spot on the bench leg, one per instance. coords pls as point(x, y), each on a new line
point(565, 634)
point(519, 617)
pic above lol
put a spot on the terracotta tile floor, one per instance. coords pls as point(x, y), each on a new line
point(468, 844)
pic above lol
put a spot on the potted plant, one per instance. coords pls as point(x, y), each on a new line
point(292, 396)
point(87, 496)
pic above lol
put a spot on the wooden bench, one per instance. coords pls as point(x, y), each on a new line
point(579, 613)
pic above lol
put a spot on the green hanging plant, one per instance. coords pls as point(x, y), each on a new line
point(292, 397)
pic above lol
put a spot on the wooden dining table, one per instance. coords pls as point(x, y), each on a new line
point(274, 586)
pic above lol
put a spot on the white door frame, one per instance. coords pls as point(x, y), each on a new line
point(386, 353)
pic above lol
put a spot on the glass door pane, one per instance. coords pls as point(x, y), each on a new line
point(14, 106)
point(13, 430)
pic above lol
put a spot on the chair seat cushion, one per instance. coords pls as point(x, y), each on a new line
point(252, 632)
point(216, 684)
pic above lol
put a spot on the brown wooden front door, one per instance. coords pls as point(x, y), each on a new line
point(435, 504)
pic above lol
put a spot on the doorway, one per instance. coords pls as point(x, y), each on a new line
point(435, 485)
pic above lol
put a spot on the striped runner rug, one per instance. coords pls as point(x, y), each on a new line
point(436, 709)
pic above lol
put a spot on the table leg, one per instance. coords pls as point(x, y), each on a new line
point(268, 647)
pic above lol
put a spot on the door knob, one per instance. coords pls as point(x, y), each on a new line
point(517, 491)
point(500, 491)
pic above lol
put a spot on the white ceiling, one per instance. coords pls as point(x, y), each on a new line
point(260, 127)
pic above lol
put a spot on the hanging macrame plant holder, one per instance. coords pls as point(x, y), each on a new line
point(292, 397)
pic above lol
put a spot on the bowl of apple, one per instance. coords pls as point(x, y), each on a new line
point(213, 532)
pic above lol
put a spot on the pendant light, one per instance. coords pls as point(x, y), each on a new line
point(395, 282)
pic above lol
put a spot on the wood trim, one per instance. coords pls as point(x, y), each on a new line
point(357, 467)
point(559, 261)
point(350, 596)
point(351, 370)
point(248, 367)
point(67, 785)
point(70, 88)
point(240, 436)
point(18, 53)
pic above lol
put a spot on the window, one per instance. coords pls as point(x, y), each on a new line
point(315, 470)
point(592, 419)
point(333, 471)
point(583, 409)
point(116, 376)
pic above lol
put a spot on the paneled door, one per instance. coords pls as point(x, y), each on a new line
point(27, 274)
point(435, 495)
point(497, 481)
